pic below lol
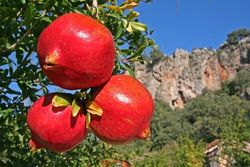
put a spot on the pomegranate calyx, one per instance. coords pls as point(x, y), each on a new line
point(75, 107)
point(81, 95)
point(61, 100)
point(51, 60)
point(93, 108)
point(88, 119)
point(146, 134)
point(33, 145)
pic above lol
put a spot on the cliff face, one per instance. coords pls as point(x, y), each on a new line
point(185, 75)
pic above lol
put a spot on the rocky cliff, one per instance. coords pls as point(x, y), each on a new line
point(183, 75)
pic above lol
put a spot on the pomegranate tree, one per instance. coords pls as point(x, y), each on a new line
point(77, 52)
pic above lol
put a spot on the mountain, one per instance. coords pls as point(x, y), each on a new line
point(177, 78)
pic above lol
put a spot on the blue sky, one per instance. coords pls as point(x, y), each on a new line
point(193, 23)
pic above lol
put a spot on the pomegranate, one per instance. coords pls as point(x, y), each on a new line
point(127, 110)
point(54, 128)
point(75, 52)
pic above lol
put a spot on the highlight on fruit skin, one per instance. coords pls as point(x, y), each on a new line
point(127, 110)
point(76, 52)
point(54, 128)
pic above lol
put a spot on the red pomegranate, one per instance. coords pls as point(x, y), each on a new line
point(127, 110)
point(76, 52)
point(54, 128)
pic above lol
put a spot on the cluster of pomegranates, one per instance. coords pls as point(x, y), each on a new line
point(77, 52)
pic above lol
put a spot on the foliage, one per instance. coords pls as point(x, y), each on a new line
point(235, 36)
point(241, 82)
point(212, 115)
point(182, 152)
point(154, 56)
point(159, 159)
point(203, 118)
point(208, 115)
point(22, 81)
point(166, 125)
point(189, 154)
point(236, 136)
point(236, 132)
point(176, 134)
point(14, 148)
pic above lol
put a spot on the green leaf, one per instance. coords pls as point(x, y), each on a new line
point(114, 15)
point(129, 69)
point(129, 28)
point(61, 100)
point(138, 26)
point(76, 107)
point(132, 15)
point(47, 19)
point(115, 8)
point(5, 113)
point(119, 32)
point(28, 14)
point(23, 1)
point(140, 50)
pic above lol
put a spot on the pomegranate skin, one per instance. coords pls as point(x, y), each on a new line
point(75, 52)
point(54, 128)
point(127, 110)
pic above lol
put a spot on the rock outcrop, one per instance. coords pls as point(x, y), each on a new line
point(183, 75)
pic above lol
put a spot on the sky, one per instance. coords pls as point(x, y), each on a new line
point(189, 24)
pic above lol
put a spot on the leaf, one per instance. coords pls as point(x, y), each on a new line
point(47, 19)
point(114, 15)
point(5, 113)
point(23, 1)
point(129, 5)
point(129, 69)
point(138, 26)
point(61, 100)
point(140, 50)
point(93, 108)
point(119, 32)
point(28, 14)
point(132, 15)
point(6, 12)
point(129, 28)
point(76, 108)
point(115, 8)
point(45, 90)
point(88, 120)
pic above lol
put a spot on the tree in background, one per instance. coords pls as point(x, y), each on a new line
point(22, 81)
point(154, 56)
point(235, 36)
point(239, 84)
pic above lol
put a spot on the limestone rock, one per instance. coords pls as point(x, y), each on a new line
point(183, 75)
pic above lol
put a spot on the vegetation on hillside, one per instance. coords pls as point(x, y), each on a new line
point(180, 137)
point(237, 35)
